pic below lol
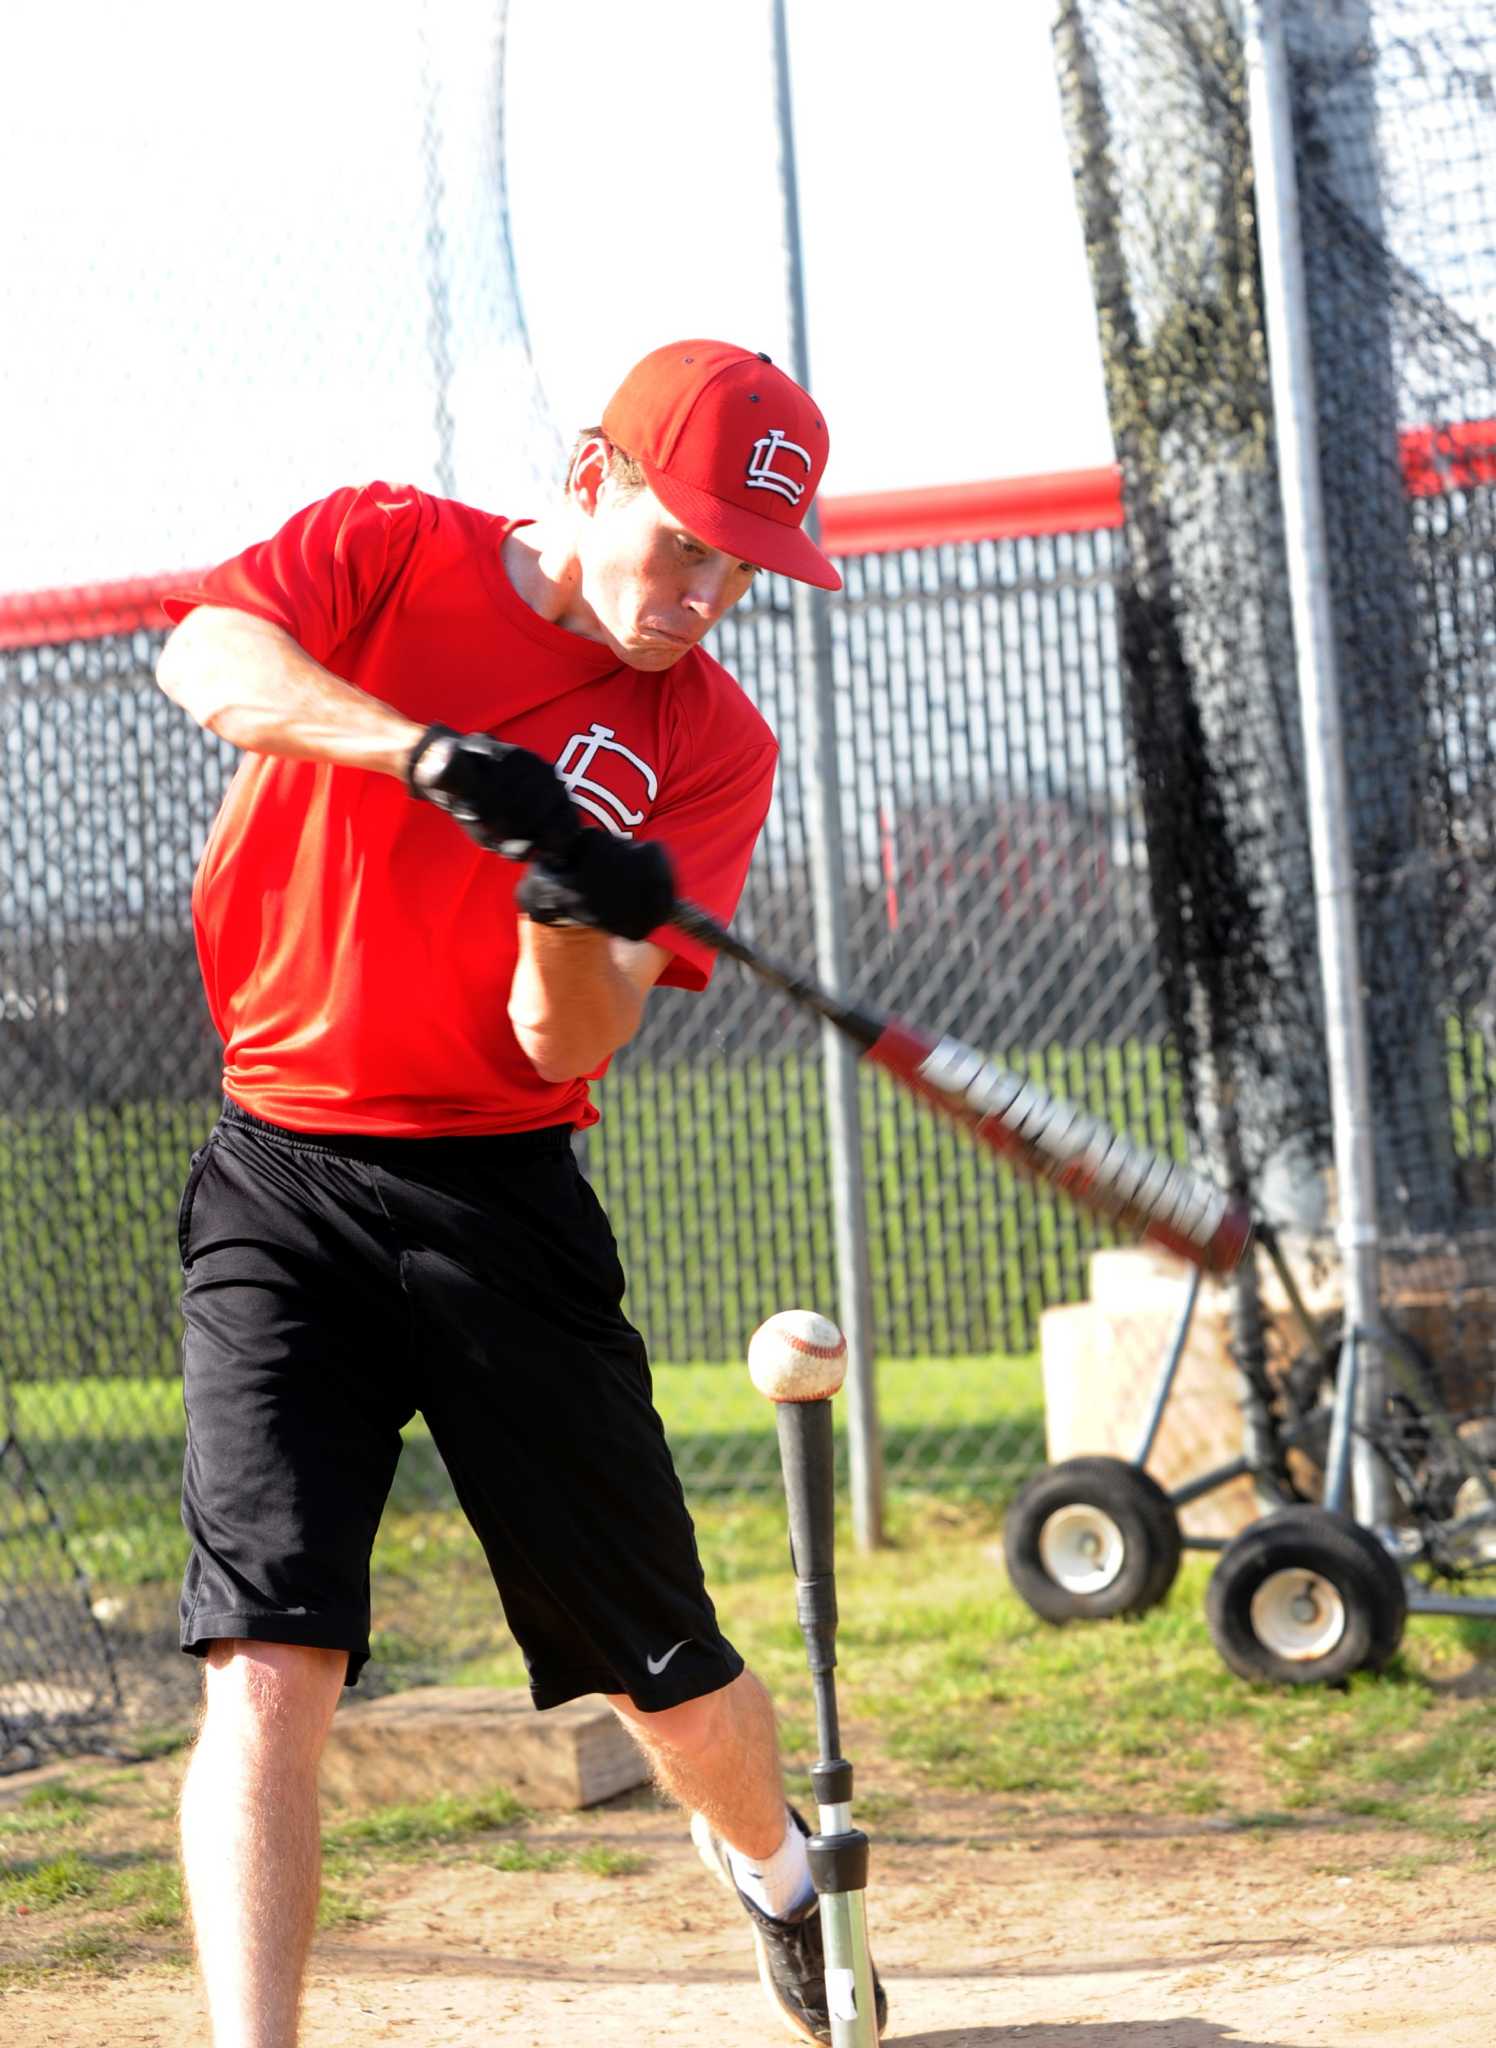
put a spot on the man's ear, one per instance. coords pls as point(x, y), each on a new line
point(589, 473)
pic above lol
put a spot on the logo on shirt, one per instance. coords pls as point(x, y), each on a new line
point(763, 476)
point(585, 758)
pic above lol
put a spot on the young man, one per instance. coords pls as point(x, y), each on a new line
point(389, 1217)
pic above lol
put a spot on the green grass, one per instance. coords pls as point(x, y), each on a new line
point(61, 1798)
point(141, 1420)
point(48, 1809)
point(961, 1683)
point(602, 1862)
point(37, 1886)
point(947, 1684)
point(1469, 1066)
point(444, 1828)
point(968, 1687)
point(109, 1453)
point(338, 1906)
point(146, 1743)
point(408, 1830)
point(715, 1172)
point(151, 1890)
point(91, 1951)
point(519, 1858)
point(953, 1679)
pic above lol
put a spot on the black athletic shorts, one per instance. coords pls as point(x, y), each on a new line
point(336, 1286)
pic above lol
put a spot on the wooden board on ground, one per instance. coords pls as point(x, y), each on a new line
point(455, 1738)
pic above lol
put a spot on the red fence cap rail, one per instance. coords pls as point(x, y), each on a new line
point(1074, 501)
point(1453, 458)
point(1434, 460)
point(88, 611)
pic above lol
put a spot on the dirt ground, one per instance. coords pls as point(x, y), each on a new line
point(989, 1927)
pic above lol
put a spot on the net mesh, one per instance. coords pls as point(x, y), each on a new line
point(58, 1681)
point(1394, 116)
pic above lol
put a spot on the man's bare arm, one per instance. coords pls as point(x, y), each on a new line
point(578, 995)
point(253, 685)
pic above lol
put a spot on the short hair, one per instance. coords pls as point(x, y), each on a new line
point(624, 472)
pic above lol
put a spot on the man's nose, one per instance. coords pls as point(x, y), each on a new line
point(708, 595)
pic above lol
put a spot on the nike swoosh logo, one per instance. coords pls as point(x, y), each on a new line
point(655, 1665)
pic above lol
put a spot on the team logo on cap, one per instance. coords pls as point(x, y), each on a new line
point(763, 476)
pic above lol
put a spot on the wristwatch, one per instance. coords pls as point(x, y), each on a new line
point(428, 761)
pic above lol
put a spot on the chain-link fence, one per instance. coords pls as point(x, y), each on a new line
point(995, 878)
point(1073, 811)
point(994, 866)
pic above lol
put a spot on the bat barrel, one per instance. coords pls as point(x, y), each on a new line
point(1084, 1158)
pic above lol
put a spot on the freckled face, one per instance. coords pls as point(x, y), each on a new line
point(653, 588)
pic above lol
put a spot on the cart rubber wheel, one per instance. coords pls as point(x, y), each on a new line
point(1305, 1597)
point(1091, 1538)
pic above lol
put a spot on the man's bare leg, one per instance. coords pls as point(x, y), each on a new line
point(718, 1756)
point(251, 1840)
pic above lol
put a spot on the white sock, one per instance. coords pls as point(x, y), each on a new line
point(778, 1885)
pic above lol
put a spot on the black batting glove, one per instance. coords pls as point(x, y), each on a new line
point(618, 885)
point(508, 799)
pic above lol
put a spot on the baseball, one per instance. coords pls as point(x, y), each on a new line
point(797, 1356)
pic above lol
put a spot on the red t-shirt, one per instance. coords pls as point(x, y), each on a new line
point(356, 946)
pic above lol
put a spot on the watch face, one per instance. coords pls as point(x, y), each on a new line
point(434, 764)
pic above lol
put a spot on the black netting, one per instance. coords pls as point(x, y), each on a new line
point(1394, 117)
point(58, 1684)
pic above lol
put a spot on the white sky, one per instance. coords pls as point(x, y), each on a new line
point(950, 321)
point(216, 268)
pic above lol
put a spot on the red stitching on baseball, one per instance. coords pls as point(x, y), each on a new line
point(815, 1350)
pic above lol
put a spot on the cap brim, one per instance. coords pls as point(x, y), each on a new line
point(767, 543)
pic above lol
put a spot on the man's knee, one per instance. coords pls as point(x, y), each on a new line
point(695, 1725)
point(284, 1692)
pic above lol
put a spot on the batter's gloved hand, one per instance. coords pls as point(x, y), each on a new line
point(619, 885)
point(506, 798)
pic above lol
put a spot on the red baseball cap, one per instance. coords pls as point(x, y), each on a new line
point(730, 445)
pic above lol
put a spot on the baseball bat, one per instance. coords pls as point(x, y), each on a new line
point(1129, 1184)
point(838, 1851)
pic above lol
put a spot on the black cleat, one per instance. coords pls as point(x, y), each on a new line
point(791, 1957)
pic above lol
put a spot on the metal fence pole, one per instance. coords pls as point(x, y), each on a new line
point(1295, 414)
point(822, 788)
